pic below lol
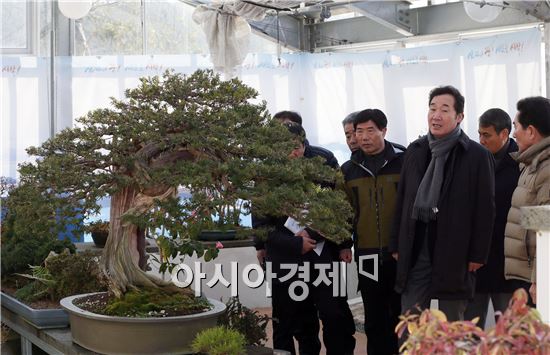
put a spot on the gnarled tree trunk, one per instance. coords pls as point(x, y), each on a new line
point(121, 255)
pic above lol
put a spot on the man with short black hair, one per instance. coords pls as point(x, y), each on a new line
point(311, 150)
point(371, 177)
point(494, 130)
point(532, 133)
point(445, 211)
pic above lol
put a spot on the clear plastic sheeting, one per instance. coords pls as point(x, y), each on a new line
point(227, 31)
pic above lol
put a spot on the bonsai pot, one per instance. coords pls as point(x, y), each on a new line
point(217, 235)
point(40, 318)
point(127, 335)
point(100, 238)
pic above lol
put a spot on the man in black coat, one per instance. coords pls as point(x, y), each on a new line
point(299, 319)
point(494, 134)
point(445, 211)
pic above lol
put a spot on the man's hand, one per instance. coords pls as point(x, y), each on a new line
point(260, 254)
point(473, 266)
point(395, 255)
point(533, 292)
point(345, 255)
point(308, 244)
point(303, 233)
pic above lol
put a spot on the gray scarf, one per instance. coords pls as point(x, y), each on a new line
point(427, 196)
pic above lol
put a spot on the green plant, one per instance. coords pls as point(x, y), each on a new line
point(97, 227)
point(19, 252)
point(246, 321)
point(31, 221)
point(63, 275)
point(519, 330)
point(33, 212)
point(41, 287)
point(219, 341)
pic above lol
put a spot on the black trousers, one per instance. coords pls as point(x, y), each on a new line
point(382, 307)
point(300, 319)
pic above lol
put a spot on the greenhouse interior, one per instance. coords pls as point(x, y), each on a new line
point(275, 177)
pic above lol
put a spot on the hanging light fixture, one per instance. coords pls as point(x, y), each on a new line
point(483, 11)
point(74, 9)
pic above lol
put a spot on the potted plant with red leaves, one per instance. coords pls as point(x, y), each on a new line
point(519, 330)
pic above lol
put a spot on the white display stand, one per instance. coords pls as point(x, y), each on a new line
point(538, 219)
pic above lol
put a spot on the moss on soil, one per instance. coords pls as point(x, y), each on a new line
point(147, 302)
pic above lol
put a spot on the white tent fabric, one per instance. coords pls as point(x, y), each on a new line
point(490, 72)
point(227, 31)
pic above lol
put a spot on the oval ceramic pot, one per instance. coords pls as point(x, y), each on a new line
point(126, 335)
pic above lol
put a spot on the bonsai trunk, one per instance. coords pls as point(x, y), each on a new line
point(124, 250)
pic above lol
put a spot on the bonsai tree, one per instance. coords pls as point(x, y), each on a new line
point(99, 231)
point(197, 132)
point(246, 321)
point(219, 341)
point(31, 223)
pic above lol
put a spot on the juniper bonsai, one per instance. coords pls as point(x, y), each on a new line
point(198, 132)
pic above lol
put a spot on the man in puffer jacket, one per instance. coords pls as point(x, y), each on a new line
point(532, 133)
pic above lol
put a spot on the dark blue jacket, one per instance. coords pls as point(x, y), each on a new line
point(315, 151)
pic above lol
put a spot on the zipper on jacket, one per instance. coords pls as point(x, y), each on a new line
point(377, 208)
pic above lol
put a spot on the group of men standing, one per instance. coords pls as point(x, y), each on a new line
point(440, 218)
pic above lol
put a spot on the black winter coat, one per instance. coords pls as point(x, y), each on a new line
point(490, 278)
point(313, 151)
point(464, 222)
point(283, 247)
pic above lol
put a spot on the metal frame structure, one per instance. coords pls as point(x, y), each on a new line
point(306, 27)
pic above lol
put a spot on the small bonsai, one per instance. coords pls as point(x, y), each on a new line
point(519, 330)
point(99, 231)
point(219, 341)
point(63, 275)
point(30, 228)
point(246, 321)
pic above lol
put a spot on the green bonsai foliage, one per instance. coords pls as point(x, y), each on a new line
point(246, 321)
point(18, 253)
point(200, 133)
point(519, 330)
point(30, 226)
point(63, 275)
point(219, 341)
